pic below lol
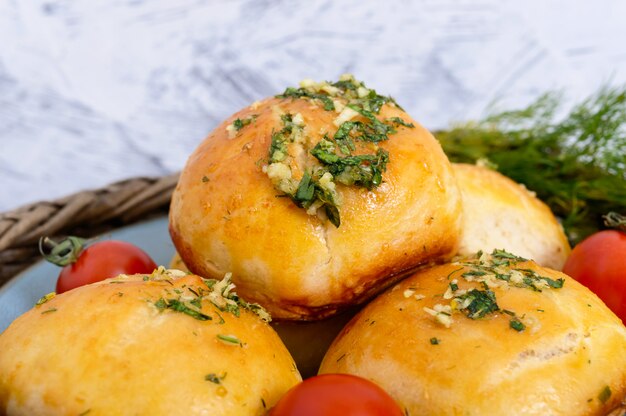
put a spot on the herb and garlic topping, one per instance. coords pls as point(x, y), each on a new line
point(188, 300)
point(350, 156)
point(495, 270)
point(239, 124)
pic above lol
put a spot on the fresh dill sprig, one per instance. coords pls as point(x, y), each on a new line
point(576, 164)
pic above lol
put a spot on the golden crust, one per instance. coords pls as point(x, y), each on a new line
point(502, 214)
point(226, 216)
point(306, 341)
point(106, 349)
point(572, 350)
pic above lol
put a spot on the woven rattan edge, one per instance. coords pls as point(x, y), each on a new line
point(85, 214)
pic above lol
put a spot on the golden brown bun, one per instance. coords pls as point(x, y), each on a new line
point(226, 216)
point(106, 349)
point(502, 214)
point(571, 354)
point(307, 342)
point(177, 263)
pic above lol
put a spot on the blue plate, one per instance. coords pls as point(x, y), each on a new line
point(21, 292)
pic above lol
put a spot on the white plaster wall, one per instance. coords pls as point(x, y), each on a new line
point(96, 91)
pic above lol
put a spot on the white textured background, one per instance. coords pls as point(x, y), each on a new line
point(96, 91)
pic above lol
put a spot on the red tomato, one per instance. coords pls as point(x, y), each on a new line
point(103, 260)
point(599, 262)
point(336, 394)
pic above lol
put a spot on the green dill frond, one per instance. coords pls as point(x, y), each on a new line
point(576, 164)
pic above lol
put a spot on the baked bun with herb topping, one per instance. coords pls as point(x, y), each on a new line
point(170, 345)
point(491, 335)
point(316, 199)
point(502, 214)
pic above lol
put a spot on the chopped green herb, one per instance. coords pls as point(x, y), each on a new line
point(222, 321)
point(398, 121)
point(309, 190)
point(45, 298)
point(178, 306)
point(196, 302)
point(324, 151)
point(479, 303)
point(49, 310)
point(362, 170)
point(239, 123)
point(605, 394)
point(160, 304)
point(214, 378)
point(229, 339)
point(225, 299)
point(305, 194)
point(296, 93)
point(503, 254)
point(517, 325)
point(556, 284)
point(453, 286)
point(373, 130)
point(278, 148)
point(343, 139)
point(452, 272)
point(205, 179)
point(474, 273)
point(434, 341)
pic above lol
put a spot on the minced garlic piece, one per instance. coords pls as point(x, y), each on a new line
point(362, 92)
point(308, 83)
point(330, 90)
point(346, 114)
point(517, 277)
point(298, 120)
point(339, 106)
point(326, 182)
point(312, 210)
point(408, 293)
point(279, 171)
point(442, 314)
point(231, 130)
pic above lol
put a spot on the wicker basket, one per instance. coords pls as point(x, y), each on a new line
point(83, 214)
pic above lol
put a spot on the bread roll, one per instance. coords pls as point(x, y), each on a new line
point(306, 341)
point(502, 214)
point(228, 215)
point(526, 347)
point(129, 346)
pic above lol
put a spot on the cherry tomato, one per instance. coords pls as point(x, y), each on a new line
point(336, 394)
point(99, 261)
point(599, 262)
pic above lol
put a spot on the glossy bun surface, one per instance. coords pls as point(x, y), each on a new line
point(557, 351)
point(227, 215)
point(502, 214)
point(129, 346)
